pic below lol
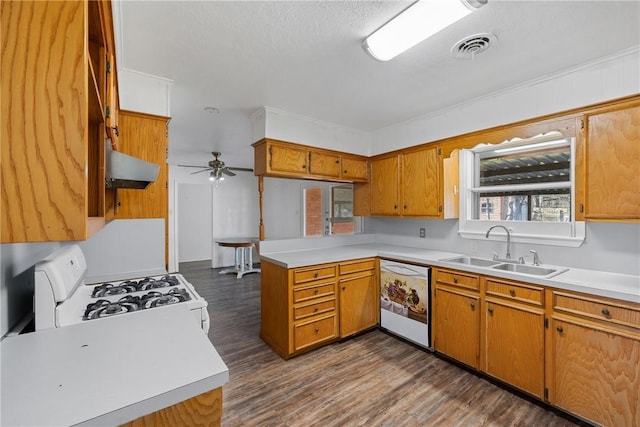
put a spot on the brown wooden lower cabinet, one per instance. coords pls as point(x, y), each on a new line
point(202, 410)
point(304, 308)
point(577, 352)
point(456, 325)
point(359, 300)
point(594, 359)
point(513, 334)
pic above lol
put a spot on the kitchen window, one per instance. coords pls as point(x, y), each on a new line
point(525, 185)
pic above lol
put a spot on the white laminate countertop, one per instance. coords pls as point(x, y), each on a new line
point(107, 371)
point(612, 285)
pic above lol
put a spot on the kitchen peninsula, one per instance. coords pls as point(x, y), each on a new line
point(112, 371)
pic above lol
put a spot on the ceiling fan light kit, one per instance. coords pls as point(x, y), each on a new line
point(418, 22)
point(217, 168)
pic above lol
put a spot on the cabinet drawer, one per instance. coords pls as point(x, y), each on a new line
point(308, 334)
point(457, 279)
point(303, 275)
point(517, 292)
point(317, 290)
point(595, 308)
point(357, 266)
point(313, 309)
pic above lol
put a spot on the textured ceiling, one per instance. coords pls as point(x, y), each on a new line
point(305, 57)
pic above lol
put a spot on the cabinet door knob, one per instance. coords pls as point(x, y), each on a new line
point(605, 312)
point(490, 310)
point(473, 306)
point(344, 288)
point(559, 329)
point(512, 292)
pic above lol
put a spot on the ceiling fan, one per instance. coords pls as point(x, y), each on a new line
point(217, 168)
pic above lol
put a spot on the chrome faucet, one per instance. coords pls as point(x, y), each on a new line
point(536, 258)
point(508, 256)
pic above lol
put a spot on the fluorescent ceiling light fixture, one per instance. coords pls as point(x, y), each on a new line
point(419, 21)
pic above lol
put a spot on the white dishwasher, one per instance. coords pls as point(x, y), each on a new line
point(404, 301)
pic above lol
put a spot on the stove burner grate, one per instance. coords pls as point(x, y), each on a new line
point(131, 286)
point(128, 303)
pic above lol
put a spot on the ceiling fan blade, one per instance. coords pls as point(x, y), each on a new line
point(192, 166)
point(226, 171)
point(240, 169)
point(203, 170)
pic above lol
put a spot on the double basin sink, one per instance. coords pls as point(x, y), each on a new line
point(528, 270)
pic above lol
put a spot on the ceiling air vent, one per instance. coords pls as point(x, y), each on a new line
point(470, 46)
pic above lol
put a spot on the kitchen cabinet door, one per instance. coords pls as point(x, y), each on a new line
point(420, 183)
point(595, 372)
point(358, 303)
point(456, 324)
point(609, 175)
point(355, 169)
point(324, 164)
point(53, 136)
point(513, 345)
point(287, 159)
point(384, 186)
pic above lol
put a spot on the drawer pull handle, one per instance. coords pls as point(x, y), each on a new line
point(455, 280)
point(315, 275)
point(605, 312)
point(512, 292)
point(315, 310)
point(315, 292)
point(317, 330)
point(559, 329)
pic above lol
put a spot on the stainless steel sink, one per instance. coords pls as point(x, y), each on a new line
point(479, 262)
point(529, 269)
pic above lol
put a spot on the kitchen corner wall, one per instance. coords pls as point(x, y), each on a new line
point(613, 247)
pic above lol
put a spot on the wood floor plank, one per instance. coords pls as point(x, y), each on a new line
point(373, 379)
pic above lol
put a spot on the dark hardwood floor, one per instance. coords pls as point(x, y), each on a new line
point(373, 379)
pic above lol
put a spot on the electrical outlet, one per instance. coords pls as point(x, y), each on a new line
point(422, 232)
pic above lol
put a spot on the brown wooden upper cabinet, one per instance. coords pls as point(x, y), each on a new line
point(288, 160)
point(54, 77)
point(608, 180)
point(407, 183)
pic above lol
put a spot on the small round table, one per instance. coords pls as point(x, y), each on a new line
point(244, 256)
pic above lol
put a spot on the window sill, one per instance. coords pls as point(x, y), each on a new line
point(567, 235)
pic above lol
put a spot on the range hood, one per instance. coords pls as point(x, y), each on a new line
point(124, 171)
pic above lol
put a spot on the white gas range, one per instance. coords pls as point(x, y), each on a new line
point(62, 298)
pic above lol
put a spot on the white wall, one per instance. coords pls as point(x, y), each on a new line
point(194, 221)
point(285, 126)
point(608, 78)
point(613, 247)
point(228, 209)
